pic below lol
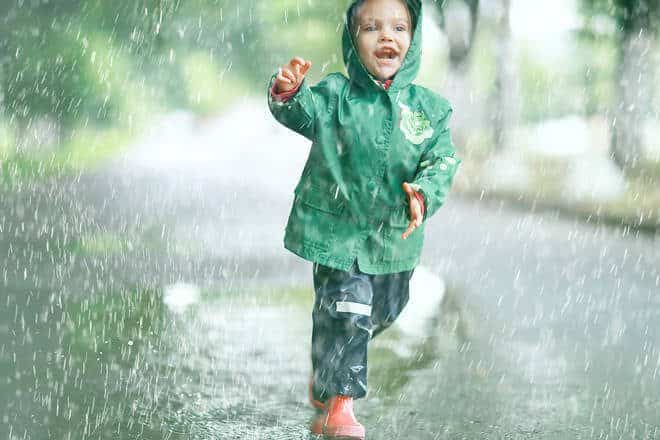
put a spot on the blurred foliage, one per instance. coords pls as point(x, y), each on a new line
point(99, 70)
point(629, 15)
point(596, 62)
point(605, 24)
point(551, 90)
point(114, 326)
point(80, 78)
point(96, 63)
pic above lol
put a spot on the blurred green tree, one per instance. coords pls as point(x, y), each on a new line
point(458, 19)
point(81, 62)
point(635, 28)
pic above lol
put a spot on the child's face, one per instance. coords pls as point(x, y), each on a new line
point(383, 33)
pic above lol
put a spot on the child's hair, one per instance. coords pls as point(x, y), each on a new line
point(353, 15)
point(355, 9)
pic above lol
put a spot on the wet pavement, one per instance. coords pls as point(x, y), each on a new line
point(548, 329)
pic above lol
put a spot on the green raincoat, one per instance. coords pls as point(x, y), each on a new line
point(367, 141)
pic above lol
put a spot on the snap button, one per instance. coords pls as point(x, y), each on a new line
point(380, 139)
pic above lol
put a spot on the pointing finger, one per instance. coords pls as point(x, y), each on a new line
point(418, 217)
point(298, 60)
point(407, 188)
point(296, 63)
point(411, 228)
point(305, 67)
point(288, 74)
point(281, 78)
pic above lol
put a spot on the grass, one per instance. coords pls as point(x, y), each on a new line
point(87, 149)
point(104, 243)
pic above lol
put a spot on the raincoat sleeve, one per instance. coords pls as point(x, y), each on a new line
point(298, 112)
point(437, 167)
point(283, 96)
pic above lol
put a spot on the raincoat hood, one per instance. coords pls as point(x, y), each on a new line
point(359, 74)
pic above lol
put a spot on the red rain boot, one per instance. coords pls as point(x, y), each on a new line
point(317, 424)
point(340, 421)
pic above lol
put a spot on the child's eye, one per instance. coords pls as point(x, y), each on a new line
point(370, 27)
point(401, 28)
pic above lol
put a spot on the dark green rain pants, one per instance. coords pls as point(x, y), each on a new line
point(351, 307)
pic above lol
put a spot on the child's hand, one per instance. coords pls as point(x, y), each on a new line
point(415, 210)
point(291, 75)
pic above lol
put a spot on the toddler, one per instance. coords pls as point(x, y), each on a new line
point(381, 163)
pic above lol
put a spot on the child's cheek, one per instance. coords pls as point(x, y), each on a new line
point(363, 51)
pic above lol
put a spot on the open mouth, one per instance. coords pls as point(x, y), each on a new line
point(386, 54)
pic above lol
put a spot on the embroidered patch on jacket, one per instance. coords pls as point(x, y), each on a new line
point(414, 125)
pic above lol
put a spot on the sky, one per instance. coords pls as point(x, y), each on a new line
point(546, 26)
point(530, 21)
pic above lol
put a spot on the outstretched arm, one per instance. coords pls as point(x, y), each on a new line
point(289, 98)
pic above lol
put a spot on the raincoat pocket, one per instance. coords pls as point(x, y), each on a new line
point(399, 217)
point(321, 200)
point(396, 248)
point(313, 222)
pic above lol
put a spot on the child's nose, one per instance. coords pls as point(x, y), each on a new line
point(385, 36)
